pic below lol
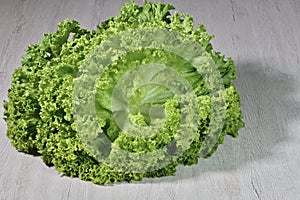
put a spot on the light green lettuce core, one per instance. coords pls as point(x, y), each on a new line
point(39, 111)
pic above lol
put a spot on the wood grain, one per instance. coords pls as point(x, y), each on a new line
point(262, 36)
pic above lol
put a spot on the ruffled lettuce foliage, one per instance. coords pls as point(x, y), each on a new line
point(39, 110)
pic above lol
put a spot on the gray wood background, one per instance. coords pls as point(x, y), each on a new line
point(262, 36)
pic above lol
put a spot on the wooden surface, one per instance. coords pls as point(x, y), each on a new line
point(262, 36)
